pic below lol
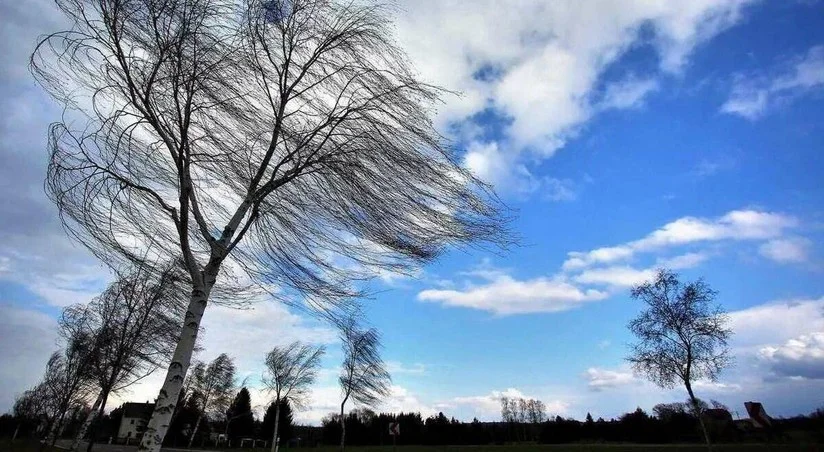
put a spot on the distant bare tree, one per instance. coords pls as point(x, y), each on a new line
point(67, 380)
point(212, 386)
point(682, 335)
point(363, 376)
point(536, 411)
point(36, 405)
point(133, 323)
point(506, 411)
point(290, 371)
point(289, 137)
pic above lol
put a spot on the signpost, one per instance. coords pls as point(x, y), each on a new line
point(395, 431)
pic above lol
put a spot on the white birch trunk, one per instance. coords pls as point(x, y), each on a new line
point(182, 357)
point(275, 435)
point(89, 418)
point(194, 431)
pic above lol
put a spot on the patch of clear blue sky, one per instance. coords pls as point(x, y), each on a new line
point(19, 296)
point(645, 166)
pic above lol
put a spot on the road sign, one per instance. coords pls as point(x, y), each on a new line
point(394, 428)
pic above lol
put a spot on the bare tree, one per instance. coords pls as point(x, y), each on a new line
point(66, 383)
point(288, 137)
point(133, 323)
point(363, 377)
point(36, 405)
point(536, 411)
point(682, 335)
point(212, 386)
point(291, 370)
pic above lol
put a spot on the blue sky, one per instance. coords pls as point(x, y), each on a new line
point(624, 135)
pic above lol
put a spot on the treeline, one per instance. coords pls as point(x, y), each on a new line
point(669, 423)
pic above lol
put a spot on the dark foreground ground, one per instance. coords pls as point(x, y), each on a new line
point(20, 446)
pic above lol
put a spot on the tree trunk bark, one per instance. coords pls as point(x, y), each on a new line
point(89, 418)
point(277, 423)
point(100, 410)
point(53, 433)
point(700, 415)
point(182, 357)
point(342, 427)
point(194, 431)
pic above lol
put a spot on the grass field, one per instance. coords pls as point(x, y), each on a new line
point(19, 446)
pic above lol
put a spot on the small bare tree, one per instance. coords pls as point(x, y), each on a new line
point(212, 386)
point(35, 405)
point(68, 379)
point(133, 323)
point(290, 138)
point(290, 371)
point(682, 335)
point(66, 382)
point(363, 377)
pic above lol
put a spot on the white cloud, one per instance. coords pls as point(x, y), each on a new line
point(599, 379)
point(397, 367)
point(735, 225)
point(801, 357)
point(621, 276)
point(752, 95)
point(786, 250)
point(559, 189)
point(746, 101)
point(503, 294)
point(775, 323)
point(537, 67)
point(248, 334)
point(629, 93)
point(687, 260)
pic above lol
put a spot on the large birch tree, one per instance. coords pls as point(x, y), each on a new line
point(286, 140)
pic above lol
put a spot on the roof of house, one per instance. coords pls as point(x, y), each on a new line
point(138, 410)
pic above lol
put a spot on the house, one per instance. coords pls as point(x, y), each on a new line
point(134, 419)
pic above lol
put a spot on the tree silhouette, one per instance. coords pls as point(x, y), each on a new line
point(240, 421)
point(290, 371)
point(682, 335)
point(284, 419)
point(211, 387)
point(363, 376)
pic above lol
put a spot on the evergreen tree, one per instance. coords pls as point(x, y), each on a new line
point(589, 419)
point(284, 429)
point(240, 421)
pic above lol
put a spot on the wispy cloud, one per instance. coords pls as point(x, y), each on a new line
point(594, 275)
point(752, 95)
point(786, 250)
